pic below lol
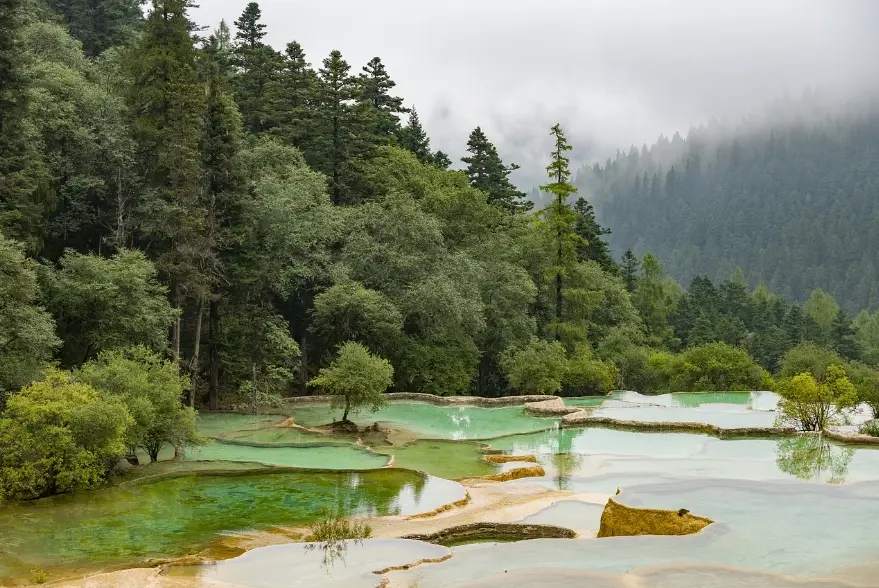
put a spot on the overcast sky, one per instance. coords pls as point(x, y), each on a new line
point(613, 72)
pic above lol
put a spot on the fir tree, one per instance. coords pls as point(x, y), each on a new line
point(559, 217)
point(258, 65)
point(629, 267)
point(441, 159)
point(168, 105)
point(487, 172)
point(22, 203)
point(592, 247)
point(375, 90)
point(291, 98)
point(100, 24)
point(250, 30)
point(413, 138)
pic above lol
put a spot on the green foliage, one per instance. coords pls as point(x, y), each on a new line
point(102, 303)
point(102, 24)
point(585, 374)
point(537, 368)
point(350, 312)
point(653, 301)
point(356, 379)
point(808, 358)
point(708, 367)
point(151, 389)
point(59, 435)
point(38, 576)
point(592, 246)
point(870, 428)
point(813, 403)
point(27, 331)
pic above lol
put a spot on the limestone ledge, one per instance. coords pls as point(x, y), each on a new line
point(411, 565)
point(493, 531)
point(550, 407)
point(582, 418)
point(426, 515)
point(498, 458)
point(851, 438)
point(619, 520)
point(439, 400)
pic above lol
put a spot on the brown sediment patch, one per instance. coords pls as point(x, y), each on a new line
point(457, 504)
point(552, 407)
point(536, 471)
point(583, 418)
point(403, 567)
point(493, 531)
point(499, 458)
point(619, 520)
point(433, 399)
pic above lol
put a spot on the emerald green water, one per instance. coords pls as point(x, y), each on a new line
point(446, 459)
point(126, 525)
point(585, 401)
point(430, 421)
point(328, 458)
point(212, 424)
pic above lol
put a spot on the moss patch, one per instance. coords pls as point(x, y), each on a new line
point(495, 458)
point(483, 532)
point(619, 520)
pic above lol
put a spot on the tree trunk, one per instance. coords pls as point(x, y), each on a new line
point(347, 408)
point(214, 331)
point(253, 391)
point(175, 331)
point(558, 274)
point(303, 366)
point(196, 350)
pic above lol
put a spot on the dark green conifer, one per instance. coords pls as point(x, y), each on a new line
point(629, 267)
point(592, 247)
point(413, 138)
point(487, 172)
point(375, 90)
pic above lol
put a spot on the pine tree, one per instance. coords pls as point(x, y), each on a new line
point(629, 267)
point(843, 336)
point(592, 247)
point(375, 90)
point(487, 172)
point(167, 102)
point(559, 217)
point(413, 138)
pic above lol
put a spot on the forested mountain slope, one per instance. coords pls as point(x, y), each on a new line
point(794, 204)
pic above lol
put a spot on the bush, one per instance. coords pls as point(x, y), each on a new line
point(705, 368)
point(808, 358)
point(151, 389)
point(870, 428)
point(58, 435)
point(813, 404)
point(585, 374)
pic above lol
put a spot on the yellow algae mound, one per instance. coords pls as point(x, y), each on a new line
point(494, 458)
point(619, 520)
point(514, 474)
point(288, 423)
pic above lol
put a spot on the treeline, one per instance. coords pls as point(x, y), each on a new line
point(793, 200)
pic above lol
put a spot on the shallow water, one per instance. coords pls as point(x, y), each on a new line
point(725, 416)
point(128, 524)
point(283, 566)
point(779, 527)
point(346, 457)
point(430, 421)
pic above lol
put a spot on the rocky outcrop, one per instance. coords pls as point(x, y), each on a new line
point(495, 458)
point(583, 418)
point(493, 532)
point(440, 400)
point(551, 407)
point(619, 520)
point(852, 438)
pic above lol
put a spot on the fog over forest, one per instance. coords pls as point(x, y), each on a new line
point(614, 73)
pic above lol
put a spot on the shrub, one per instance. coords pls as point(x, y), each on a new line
point(537, 368)
point(585, 374)
point(59, 435)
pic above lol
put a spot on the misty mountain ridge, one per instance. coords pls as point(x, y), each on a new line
point(791, 196)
